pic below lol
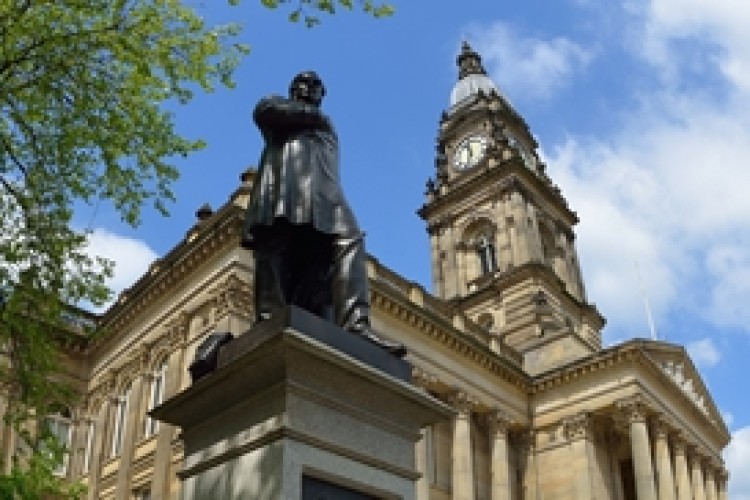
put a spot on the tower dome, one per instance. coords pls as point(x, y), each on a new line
point(472, 77)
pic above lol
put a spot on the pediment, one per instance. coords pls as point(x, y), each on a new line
point(674, 362)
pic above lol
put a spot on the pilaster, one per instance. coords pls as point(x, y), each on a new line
point(579, 433)
point(160, 484)
point(500, 488)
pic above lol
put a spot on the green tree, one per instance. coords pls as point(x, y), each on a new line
point(308, 11)
point(83, 85)
point(82, 88)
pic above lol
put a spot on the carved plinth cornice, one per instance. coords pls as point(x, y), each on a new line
point(579, 426)
point(634, 409)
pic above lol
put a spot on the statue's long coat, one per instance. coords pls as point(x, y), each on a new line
point(298, 175)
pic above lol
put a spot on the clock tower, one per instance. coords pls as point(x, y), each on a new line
point(501, 233)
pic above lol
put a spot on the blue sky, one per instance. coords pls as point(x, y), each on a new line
point(640, 108)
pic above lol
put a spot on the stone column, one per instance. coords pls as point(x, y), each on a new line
point(711, 492)
point(663, 460)
point(635, 412)
point(463, 467)
point(722, 480)
point(423, 483)
point(527, 445)
point(698, 485)
point(684, 492)
point(578, 431)
point(500, 488)
point(613, 446)
point(176, 367)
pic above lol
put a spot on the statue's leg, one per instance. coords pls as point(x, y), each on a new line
point(351, 301)
point(269, 275)
point(310, 257)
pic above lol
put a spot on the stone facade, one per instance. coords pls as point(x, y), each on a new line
point(508, 339)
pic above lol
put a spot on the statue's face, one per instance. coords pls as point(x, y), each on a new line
point(308, 89)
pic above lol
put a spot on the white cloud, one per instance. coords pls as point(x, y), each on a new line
point(737, 457)
point(721, 25)
point(668, 191)
point(528, 66)
point(131, 257)
point(704, 352)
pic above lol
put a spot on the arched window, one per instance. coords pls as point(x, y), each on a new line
point(156, 397)
point(60, 426)
point(121, 413)
point(486, 253)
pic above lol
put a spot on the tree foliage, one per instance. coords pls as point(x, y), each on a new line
point(82, 88)
point(83, 85)
point(308, 11)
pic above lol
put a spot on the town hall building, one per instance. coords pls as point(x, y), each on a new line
point(507, 337)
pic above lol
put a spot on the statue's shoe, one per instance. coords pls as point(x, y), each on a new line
point(366, 331)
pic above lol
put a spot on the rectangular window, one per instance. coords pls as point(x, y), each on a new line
point(59, 426)
point(89, 447)
point(121, 413)
point(157, 397)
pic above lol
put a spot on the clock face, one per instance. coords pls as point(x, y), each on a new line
point(470, 151)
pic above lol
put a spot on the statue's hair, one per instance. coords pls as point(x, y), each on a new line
point(310, 76)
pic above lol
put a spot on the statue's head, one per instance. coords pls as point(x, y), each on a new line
point(307, 87)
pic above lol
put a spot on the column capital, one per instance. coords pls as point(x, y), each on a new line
point(423, 379)
point(661, 426)
point(498, 422)
point(679, 443)
point(634, 409)
point(579, 426)
point(461, 401)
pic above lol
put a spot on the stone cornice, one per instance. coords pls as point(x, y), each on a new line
point(492, 285)
point(205, 239)
point(508, 176)
point(430, 319)
point(634, 352)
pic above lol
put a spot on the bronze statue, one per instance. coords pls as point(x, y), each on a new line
point(309, 250)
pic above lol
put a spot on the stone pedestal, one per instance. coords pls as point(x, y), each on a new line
point(296, 405)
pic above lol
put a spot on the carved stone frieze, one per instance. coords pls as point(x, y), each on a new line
point(232, 296)
point(676, 371)
point(177, 331)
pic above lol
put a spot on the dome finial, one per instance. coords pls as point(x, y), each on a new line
point(469, 62)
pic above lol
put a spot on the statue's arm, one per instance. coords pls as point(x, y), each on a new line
point(274, 113)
